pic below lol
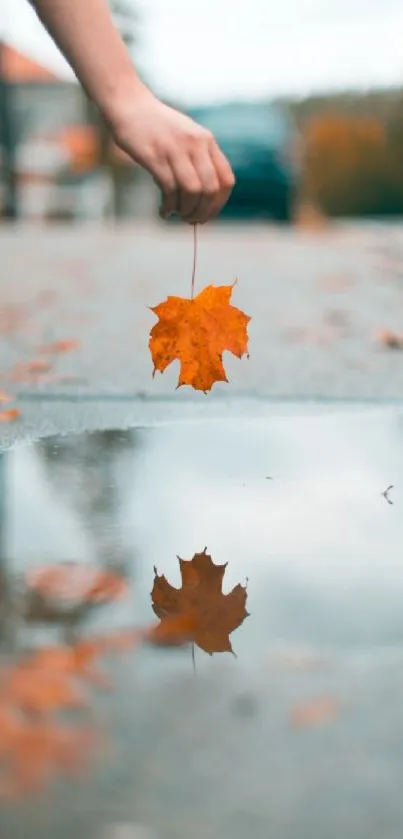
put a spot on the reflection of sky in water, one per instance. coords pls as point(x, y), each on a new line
point(321, 548)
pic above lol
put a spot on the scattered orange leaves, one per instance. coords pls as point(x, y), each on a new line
point(34, 743)
point(204, 614)
point(316, 712)
point(9, 414)
point(196, 332)
point(72, 581)
point(59, 347)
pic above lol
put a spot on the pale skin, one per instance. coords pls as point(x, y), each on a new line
point(184, 159)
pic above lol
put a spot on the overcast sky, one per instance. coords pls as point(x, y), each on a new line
point(203, 49)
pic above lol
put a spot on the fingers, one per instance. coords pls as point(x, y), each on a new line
point(165, 180)
point(196, 185)
point(201, 185)
point(170, 201)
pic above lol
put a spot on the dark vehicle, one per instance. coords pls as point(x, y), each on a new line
point(262, 145)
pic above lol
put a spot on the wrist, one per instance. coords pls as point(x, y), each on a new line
point(117, 103)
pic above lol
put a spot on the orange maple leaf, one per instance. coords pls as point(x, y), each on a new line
point(196, 332)
point(209, 616)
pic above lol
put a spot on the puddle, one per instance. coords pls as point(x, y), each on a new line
point(293, 505)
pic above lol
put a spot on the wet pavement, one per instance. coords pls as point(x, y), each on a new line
point(293, 500)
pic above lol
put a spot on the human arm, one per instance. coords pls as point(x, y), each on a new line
point(182, 156)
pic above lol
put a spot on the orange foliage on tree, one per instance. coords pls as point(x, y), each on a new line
point(347, 164)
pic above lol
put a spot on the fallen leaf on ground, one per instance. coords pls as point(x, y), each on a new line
point(323, 334)
point(5, 397)
point(13, 318)
point(310, 217)
point(390, 339)
point(196, 332)
point(59, 347)
point(316, 712)
point(335, 282)
point(27, 370)
point(9, 415)
point(208, 616)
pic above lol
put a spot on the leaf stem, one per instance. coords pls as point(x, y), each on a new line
point(194, 261)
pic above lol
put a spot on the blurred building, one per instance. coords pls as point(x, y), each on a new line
point(62, 168)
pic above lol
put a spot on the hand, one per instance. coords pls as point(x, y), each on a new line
point(184, 159)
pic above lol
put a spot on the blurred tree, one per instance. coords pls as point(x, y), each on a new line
point(352, 164)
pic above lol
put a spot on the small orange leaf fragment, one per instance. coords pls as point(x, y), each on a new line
point(204, 614)
point(196, 332)
point(9, 415)
point(318, 711)
point(390, 339)
point(26, 370)
point(5, 397)
point(58, 347)
point(71, 581)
